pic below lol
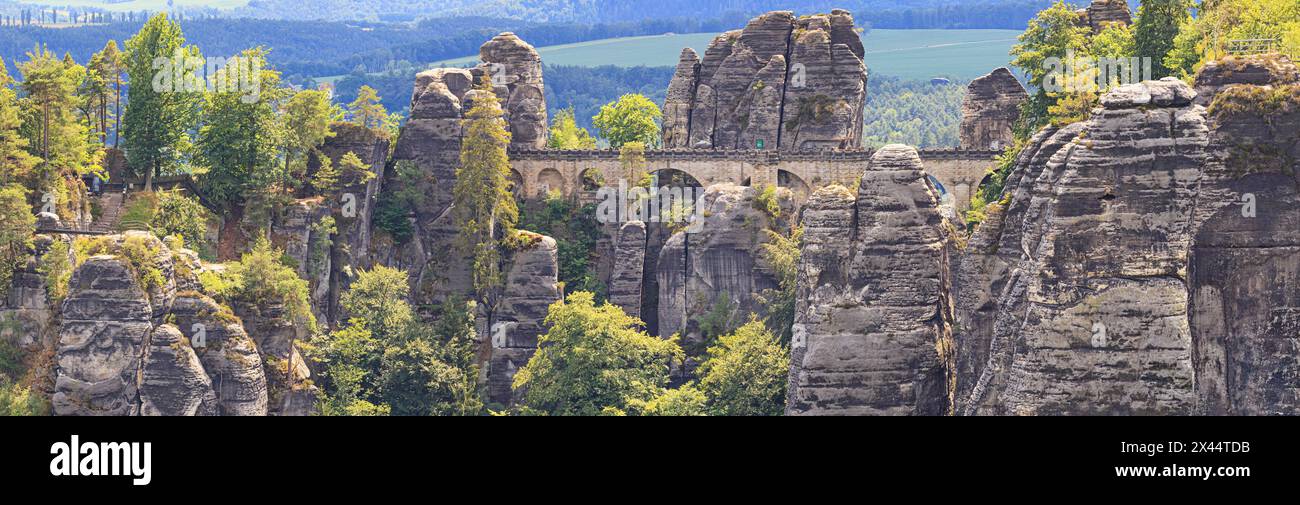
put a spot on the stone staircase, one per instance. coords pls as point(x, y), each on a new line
point(111, 205)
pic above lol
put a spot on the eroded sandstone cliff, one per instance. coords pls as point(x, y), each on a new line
point(793, 83)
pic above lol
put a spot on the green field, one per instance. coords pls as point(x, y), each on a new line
point(138, 5)
point(909, 54)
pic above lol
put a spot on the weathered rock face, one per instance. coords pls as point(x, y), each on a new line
point(515, 70)
point(352, 208)
point(628, 277)
point(101, 341)
point(793, 83)
point(429, 146)
point(172, 381)
point(1254, 71)
point(1244, 272)
point(720, 262)
point(983, 269)
point(826, 91)
point(1094, 317)
point(114, 357)
point(990, 109)
point(872, 331)
point(678, 101)
point(228, 355)
point(301, 233)
point(1101, 12)
point(531, 287)
point(27, 305)
point(1140, 271)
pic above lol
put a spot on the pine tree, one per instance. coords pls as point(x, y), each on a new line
point(16, 163)
point(107, 66)
point(56, 135)
point(366, 109)
point(1158, 22)
point(485, 208)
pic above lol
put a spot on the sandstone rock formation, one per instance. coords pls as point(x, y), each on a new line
point(679, 99)
point(299, 231)
point(873, 322)
point(1144, 276)
point(1254, 71)
point(515, 70)
point(172, 381)
point(27, 309)
point(116, 356)
point(982, 270)
point(793, 83)
point(628, 277)
point(1094, 318)
point(429, 145)
point(826, 92)
point(990, 109)
point(106, 323)
point(1101, 12)
point(228, 355)
point(715, 265)
point(1244, 272)
point(531, 287)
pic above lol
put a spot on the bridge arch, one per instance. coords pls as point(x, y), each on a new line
point(796, 184)
point(550, 179)
point(516, 183)
point(673, 177)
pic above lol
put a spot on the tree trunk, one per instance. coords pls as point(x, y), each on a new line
point(117, 112)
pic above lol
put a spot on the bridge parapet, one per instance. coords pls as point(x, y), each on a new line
point(748, 155)
point(543, 170)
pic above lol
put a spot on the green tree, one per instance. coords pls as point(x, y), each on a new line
point(239, 138)
point(16, 163)
point(307, 116)
point(782, 253)
point(17, 225)
point(377, 300)
point(745, 374)
point(261, 278)
point(58, 137)
point(1055, 33)
point(108, 65)
point(566, 134)
point(385, 361)
point(366, 109)
point(157, 119)
point(632, 118)
point(685, 401)
point(594, 360)
point(19, 400)
point(179, 215)
point(485, 208)
point(353, 171)
point(1158, 22)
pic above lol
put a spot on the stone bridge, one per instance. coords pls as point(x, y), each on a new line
point(539, 171)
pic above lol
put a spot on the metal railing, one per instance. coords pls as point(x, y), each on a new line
point(1251, 47)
